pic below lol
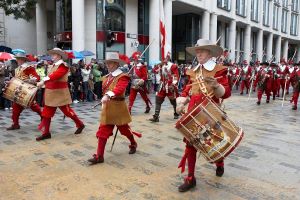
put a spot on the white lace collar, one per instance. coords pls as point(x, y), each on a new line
point(59, 62)
point(209, 65)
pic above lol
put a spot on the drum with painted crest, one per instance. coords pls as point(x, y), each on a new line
point(208, 128)
point(20, 92)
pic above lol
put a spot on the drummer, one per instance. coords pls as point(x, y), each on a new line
point(214, 83)
point(27, 74)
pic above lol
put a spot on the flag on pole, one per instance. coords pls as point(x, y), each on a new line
point(162, 29)
point(164, 45)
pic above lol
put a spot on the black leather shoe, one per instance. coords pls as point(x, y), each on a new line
point(43, 137)
point(132, 149)
point(189, 183)
point(219, 171)
point(13, 127)
point(258, 103)
point(154, 119)
point(294, 108)
point(95, 160)
point(147, 110)
point(268, 101)
point(176, 116)
point(79, 130)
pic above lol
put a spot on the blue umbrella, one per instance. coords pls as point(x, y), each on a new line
point(76, 54)
point(15, 51)
point(46, 57)
point(5, 49)
point(87, 53)
point(154, 62)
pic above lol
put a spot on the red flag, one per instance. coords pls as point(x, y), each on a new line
point(162, 29)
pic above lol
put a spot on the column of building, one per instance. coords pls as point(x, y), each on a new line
point(41, 27)
point(78, 30)
point(154, 34)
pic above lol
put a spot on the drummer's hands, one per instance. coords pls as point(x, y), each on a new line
point(212, 82)
point(40, 84)
point(105, 99)
point(180, 104)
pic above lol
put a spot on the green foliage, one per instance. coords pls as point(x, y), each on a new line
point(21, 9)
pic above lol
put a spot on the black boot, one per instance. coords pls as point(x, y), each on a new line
point(132, 148)
point(219, 171)
point(258, 103)
point(147, 109)
point(154, 119)
point(176, 116)
point(158, 102)
point(189, 183)
point(294, 107)
point(173, 102)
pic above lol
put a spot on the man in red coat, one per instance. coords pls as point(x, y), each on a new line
point(114, 109)
point(57, 94)
point(139, 77)
point(263, 81)
point(246, 73)
point(206, 79)
point(169, 76)
point(295, 82)
point(283, 72)
point(27, 74)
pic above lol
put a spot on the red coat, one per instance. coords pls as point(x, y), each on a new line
point(246, 73)
point(264, 79)
point(283, 70)
point(140, 72)
point(25, 73)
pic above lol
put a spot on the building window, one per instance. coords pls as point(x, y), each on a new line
point(63, 15)
point(294, 24)
point(284, 20)
point(224, 4)
point(275, 16)
point(266, 12)
point(254, 10)
point(285, 3)
point(295, 6)
point(241, 7)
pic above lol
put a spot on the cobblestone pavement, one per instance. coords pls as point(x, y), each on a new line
point(266, 165)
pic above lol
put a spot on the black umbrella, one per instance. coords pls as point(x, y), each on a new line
point(5, 49)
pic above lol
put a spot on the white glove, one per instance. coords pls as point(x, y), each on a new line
point(105, 99)
point(141, 82)
point(40, 84)
point(46, 78)
point(182, 100)
point(174, 82)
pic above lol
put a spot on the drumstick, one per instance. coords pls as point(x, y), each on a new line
point(198, 83)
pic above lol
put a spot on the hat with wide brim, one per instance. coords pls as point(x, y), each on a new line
point(114, 57)
point(58, 51)
point(215, 49)
point(21, 56)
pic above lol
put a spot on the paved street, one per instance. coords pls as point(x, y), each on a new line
point(266, 165)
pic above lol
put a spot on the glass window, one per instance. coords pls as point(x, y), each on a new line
point(224, 4)
point(254, 10)
point(266, 12)
point(295, 6)
point(285, 3)
point(63, 15)
point(241, 7)
point(275, 17)
point(284, 20)
point(294, 24)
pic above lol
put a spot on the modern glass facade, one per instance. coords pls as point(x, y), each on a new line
point(110, 19)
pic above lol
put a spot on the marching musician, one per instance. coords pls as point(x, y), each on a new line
point(295, 82)
point(283, 73)
point(26, 73)
point(246, 73)
point(57, 94)
point(114, 109)
point(206, 79)
point(263, 81)
point(139, 77)
point(169, 77)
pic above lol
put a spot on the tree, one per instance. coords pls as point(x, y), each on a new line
point(21, 9)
